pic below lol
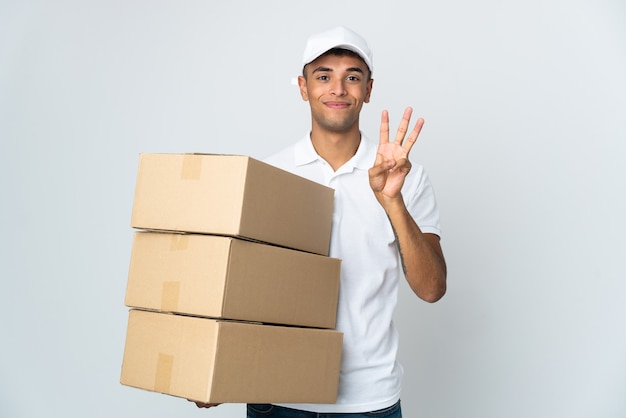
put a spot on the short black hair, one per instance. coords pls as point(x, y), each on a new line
point(341, 52)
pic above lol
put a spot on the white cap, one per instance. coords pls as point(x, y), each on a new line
point(339, 37)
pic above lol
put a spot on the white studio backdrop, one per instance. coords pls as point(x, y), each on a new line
point(524, 141)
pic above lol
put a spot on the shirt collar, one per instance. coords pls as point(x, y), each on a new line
point(363, 158)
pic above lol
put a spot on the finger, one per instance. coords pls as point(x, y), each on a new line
point(378, 177)
point(206, 405)
point(384, 128)
point(412, 138)
point(381, 163)
point(403, 165)
point(404, 125)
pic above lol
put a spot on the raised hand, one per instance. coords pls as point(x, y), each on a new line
point(392, 159)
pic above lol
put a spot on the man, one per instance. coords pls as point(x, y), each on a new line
point(385, 214)
point(385, 222)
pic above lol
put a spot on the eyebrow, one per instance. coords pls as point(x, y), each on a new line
point(326, 69)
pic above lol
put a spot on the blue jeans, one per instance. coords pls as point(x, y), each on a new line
point(274, 411)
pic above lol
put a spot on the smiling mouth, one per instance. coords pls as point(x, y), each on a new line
point(337, 105)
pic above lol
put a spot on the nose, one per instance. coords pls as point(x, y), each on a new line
point(337, 87)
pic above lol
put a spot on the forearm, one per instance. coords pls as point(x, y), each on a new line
point(421, 254)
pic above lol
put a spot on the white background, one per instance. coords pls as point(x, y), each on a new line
point(524, 101)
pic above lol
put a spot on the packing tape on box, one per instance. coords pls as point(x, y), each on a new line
point(179, 242)
point(163, 377)
point(192, 167)
point(169, 296)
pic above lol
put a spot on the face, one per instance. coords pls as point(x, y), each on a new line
point(336, 88)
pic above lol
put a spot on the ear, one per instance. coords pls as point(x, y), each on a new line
point(368, 90)
point(304, 92)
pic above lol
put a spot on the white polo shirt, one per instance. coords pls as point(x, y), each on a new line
point(362, 237)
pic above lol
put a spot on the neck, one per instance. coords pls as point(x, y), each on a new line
point(336, 148)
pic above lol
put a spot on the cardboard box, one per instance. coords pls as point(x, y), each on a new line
point(215, 361)
point(232, 195)
point(225, 277)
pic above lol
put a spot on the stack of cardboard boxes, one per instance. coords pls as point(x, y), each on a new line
point(233, 295)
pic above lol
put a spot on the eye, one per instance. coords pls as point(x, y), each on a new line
point(353, 78)
point(323, 78)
